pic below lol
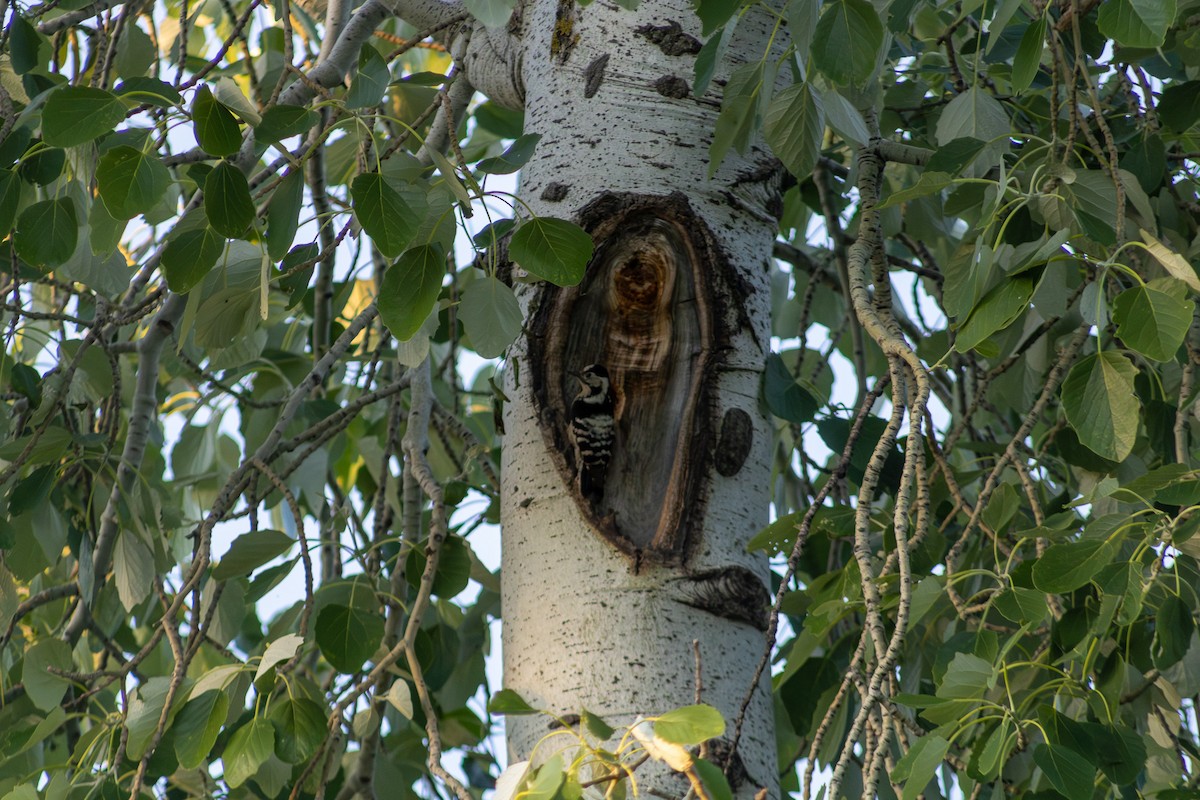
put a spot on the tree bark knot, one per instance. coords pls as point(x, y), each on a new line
point(657, 308)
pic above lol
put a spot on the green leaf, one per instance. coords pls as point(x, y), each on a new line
point(10, 200)
point(24, 44)
point(714, 13)
point(975, 114)
point(44, 688)
point(690, 724)
point(847, 41)
point(283, 122)
point(714, 780)
point(516, 156)
point(997, 310)
point(552, 249)
point(399, 696)
point(967, 678)
point(844, 118)
point(149, 90)
point(216, 129)
point(227, 93)
point(786, 398)
point(709, 56)
point(954, 156)
point(299, 728)
point(1121, 752)
point(130, 181)
point(1067, 566)
point(918, 765)
point(189, 256)
point(1179, 107)
point(596, 726)
point(75, 115)
point(348, 636)
point(1029, 55)
point(1136, 23)
point(248, 749)
point(491, 316)
point(277, 652)
point(506, 701)
point(492, 13)
point(383, 213)
point(1100, 404)
point(929, 183)
point(133, 569)
point(283, 214)
point(250, 551)
point(370, 82)
point(410, 289)
point(1171, 261)
point(47, 232)
point(1173, 627)
point(227, 201)
point(794, 125)
point(1152, 321)
point(1069, 773)
point(197, 726)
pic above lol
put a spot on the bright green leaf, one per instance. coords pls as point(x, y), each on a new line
point(967, 677)
point(552, 249)
point(690, 724)
point(506, 701)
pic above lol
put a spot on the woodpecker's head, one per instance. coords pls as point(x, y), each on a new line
point(595, 381)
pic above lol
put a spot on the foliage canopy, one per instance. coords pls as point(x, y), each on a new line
point(990, 230)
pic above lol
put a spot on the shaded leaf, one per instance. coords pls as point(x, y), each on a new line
point(75, 115)
point(197, 726)
point(383, 213)
point(47, 232)
point(217, 131)
point(131, 182)
point(227, 201)
point(794, 125)
point(348, 636)
point(1099, 401)
point(847, 41)
point(491, 316)
point(410, 289)
point(250, 551)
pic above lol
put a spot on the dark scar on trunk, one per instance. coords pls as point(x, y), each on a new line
point(593, 75)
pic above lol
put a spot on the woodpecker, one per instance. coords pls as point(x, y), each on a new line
point(593, 428)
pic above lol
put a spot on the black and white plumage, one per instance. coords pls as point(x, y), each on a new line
point(593, 429)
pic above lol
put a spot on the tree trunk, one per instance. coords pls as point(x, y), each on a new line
point(602, 601)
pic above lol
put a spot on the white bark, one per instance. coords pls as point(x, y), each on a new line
point(581, 631)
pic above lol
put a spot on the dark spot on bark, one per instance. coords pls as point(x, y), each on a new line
point(565, 721)
point(672, 86)
point(555, 192)
point(671, 39)
point(734, 593)
point(733, 444)
point(725, 757)
point(593, 75)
